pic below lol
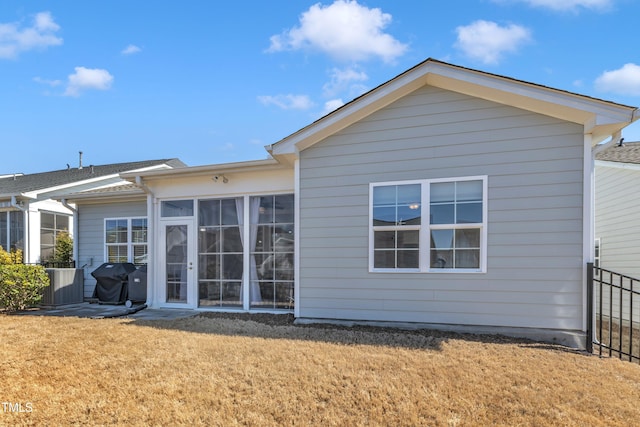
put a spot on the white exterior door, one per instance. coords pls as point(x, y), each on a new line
point(177, 263)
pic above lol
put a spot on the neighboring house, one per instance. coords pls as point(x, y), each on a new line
point(115, 208)
point(445, 196)
point(31, 215)
point(617, 209)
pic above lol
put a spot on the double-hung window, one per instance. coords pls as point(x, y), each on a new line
point(126, 240)
point(429, 225)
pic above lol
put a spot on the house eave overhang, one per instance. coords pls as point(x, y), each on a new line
point(57, 191)
point(600, 118)
point(85, 199)
point(18, 196)
point(206, 170)
point(617, 165)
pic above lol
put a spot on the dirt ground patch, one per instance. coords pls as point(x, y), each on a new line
point(239, 369)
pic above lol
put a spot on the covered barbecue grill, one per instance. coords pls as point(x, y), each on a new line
point(137, 285)
point(111, 282)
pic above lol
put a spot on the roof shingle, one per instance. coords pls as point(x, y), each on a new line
point(629, 152)
point(16, 184)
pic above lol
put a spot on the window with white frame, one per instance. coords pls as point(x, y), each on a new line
point(429, 225)
point(126, 240)
point(51, 225)
point(596, 255)
point(12, 230)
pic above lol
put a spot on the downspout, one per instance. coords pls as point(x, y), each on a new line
point(25, 211)
point(151, 240)
point(615, 138)
point(76, 230)
point(588, 224)
point(589, 214)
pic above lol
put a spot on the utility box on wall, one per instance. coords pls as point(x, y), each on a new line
point(66, 286)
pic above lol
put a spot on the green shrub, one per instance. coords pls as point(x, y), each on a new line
point(63, 252)
point(13, 257)
point(21, 285)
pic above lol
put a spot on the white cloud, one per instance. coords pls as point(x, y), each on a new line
point(487, 41)
point(52, 83)
point(88, 78)
point(623, 81)
point(567, 5)
point(332, 105)
point(344, 30)
point(130, 50)
point(345, 80)
point(287, 102)
point(41, 34)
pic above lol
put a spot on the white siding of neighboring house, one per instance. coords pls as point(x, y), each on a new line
point(617, 217)
point(534, 165)
point(617, 225)
point(91, 244)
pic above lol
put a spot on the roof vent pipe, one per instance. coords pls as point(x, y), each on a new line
point(80, 160)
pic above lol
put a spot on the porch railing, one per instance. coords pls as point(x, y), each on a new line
point(613, 321)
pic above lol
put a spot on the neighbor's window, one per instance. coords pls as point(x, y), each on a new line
point(428, 225)
point(596, 255)
point(126, 240)
point(12, 230)
point(51, 224)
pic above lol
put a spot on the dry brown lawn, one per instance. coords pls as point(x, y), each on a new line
point(220, 371)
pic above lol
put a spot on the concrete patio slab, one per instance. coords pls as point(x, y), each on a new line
point(103, 311)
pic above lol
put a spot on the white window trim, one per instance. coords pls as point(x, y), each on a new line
point(129, 243)
point(425, 227)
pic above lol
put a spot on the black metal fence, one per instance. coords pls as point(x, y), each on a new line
point(56, 264)
point(613, 321)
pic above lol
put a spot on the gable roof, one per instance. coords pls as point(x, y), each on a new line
point(30, 185)
point(628, 152)
point(600, 118)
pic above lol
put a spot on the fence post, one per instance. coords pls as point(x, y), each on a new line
point(589, 343)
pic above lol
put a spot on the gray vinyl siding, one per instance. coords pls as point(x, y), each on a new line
point(91, 234)
point(534, 165)
point(618, 219)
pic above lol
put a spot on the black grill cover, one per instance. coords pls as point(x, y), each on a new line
point(137, 284)
point(111, 281)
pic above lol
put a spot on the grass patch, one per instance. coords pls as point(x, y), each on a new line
point(623, 341)
point(251, 371)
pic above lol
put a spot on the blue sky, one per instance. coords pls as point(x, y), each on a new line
point(213, 82)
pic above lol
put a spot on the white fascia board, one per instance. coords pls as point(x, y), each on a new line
point(529, 96)
point(18, 196)
point(58, 189)
point(87, 199)
point(111, 179)
point(617, 165)
point(349, 114)
point(600, 118)
point(162, 166)
point(253, 165)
